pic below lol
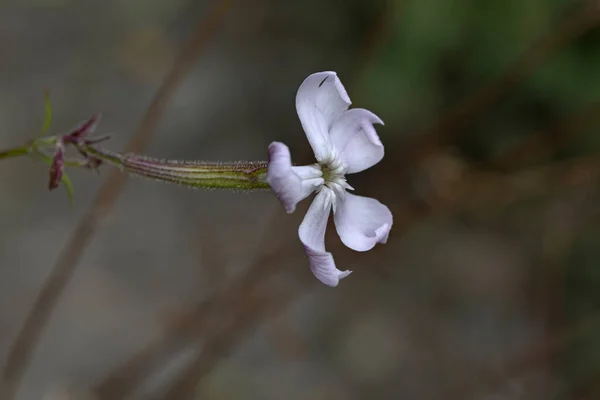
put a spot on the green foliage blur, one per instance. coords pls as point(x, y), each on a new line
point(440, 51)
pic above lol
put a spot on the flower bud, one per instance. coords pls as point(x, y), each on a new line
point(58, 165)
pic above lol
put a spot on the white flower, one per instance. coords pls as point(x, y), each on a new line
point(344, 142)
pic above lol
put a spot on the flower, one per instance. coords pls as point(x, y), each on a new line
point(344, 142)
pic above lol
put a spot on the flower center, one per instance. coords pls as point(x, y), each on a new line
point(333, 170)
point(334, 176)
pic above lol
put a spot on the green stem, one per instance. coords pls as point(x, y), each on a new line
point(246, 175)
point(16, 152)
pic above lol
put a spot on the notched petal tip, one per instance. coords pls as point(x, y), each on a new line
point(312, 235)
point(369, 120)
point(323, 267)
point(362, 222)
point(339, 86)
point(327, 78)
point(366, 120)
point(320, 100)
point(344, 274)
point(355, 139)
point(382, 233)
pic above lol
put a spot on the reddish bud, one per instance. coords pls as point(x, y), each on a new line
point(79, 134)
point(57, 167)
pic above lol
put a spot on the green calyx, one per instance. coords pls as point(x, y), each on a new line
point(244, 175)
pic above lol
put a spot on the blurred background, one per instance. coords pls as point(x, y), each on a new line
point(487, 289)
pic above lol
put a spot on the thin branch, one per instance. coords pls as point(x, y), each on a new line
point(30, 333)
point(250, 312)
point(128, 376)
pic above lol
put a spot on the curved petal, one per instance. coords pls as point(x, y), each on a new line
point(355, 140)
point(320, 100)
point(290, 184)
point(362, 222)
point(312, 235)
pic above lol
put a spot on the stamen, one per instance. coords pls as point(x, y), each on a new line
point(334, 178)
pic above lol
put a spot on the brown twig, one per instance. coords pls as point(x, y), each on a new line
point(247, 314)
point(201, 319)
point(28, 337)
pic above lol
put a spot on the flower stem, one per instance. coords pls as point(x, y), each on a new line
point(16, 152)
point(245, 175)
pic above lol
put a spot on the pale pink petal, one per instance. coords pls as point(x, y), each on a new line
point(290, 184)
point(320, 100)
point(355, 140)
point(312, 235)
point(362, 222)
